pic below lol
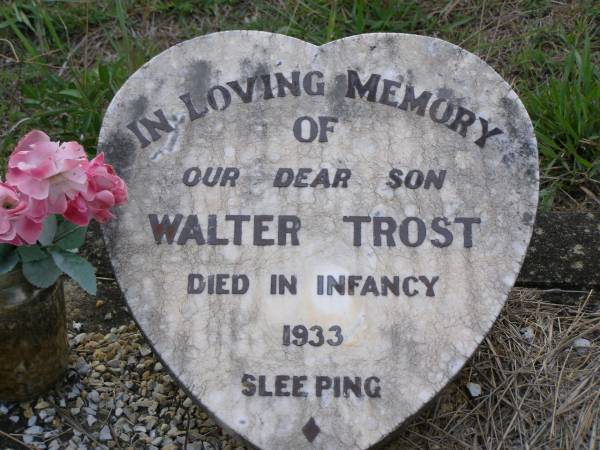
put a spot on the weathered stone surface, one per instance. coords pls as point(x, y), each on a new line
point(589, 298)
point(190, 107)
point(564, 252)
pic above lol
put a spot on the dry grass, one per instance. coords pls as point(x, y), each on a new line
point(537, 392)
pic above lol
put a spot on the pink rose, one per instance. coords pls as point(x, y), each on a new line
point(16, 226)
point(77, 211)
point(49, 173)
point(103, 179)
point(105, 189)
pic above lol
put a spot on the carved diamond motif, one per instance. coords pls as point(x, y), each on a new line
point(311, 429)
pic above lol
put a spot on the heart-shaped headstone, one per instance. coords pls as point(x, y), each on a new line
point(318, 238)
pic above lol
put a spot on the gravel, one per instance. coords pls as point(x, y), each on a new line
point(115, 395)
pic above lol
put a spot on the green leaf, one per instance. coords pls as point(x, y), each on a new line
point(103, 74)
point(73, 93)
point(8, 261)
point(32, 253)
point(49, 230)
point(64, 225)
point(5, 249)
point(72, 239)
point(77, 268)
point(42, 273)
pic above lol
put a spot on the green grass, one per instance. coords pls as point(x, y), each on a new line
point(566, 114)
point(62, 61)
point(57, 93)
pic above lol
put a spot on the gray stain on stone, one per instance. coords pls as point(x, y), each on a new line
point(336, 96)
point(120, 149)
point(139, 106)
point(252, 68)
point(197, 80)
point(410, 77)
point(508, 158)
point(447, 93)
point(511, 114)
point(527, 218)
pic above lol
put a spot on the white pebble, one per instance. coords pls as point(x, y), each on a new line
point(105, 434)
point(91, 420)
point(83, 368)
point(34, 430)
point(42, 404)
point(51, 434)
point(94, 396)
point(527, 334)
point(474, 389)
point(79, 338)
point(114, 363)
point(74, 393)
point(582, 343)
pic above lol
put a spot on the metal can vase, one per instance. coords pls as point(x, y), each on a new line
point(34, 348)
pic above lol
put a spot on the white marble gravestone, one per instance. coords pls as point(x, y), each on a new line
point(318, 238)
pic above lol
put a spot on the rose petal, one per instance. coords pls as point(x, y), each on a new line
point(72, 150)
point(31, 138)
point(32, 187)
point(29, 230)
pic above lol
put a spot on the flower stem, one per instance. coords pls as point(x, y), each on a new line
point(56, 239)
